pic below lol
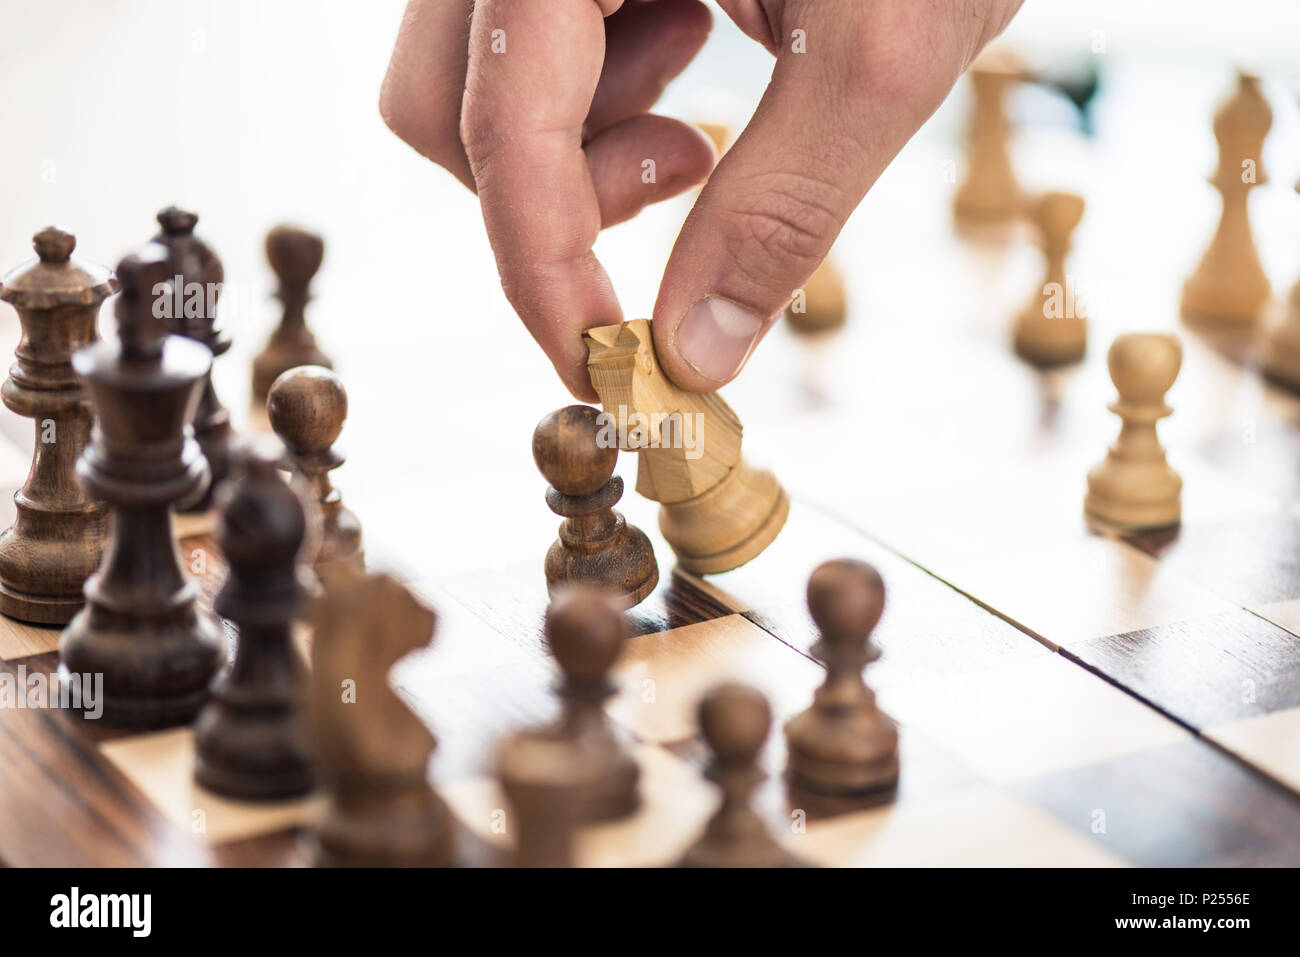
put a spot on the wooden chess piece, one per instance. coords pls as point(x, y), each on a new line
point(820, 305)
point(142, 628)
point(307, 407)
point(192, 313)
point(844, 743)
point(1050, 330)
point(372, 753)
point(585, 630)
point(717, 512)
point(250, 739)
point(989, 194)
point(596, 545)
point(1282, 355)
point(295, 256)
point(1134, 488)
point(58, 532)
point(735, 720)
point(543, 779)
point(719, 135)
point(1229, 286)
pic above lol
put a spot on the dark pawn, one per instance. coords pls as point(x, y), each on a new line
point(585, 631)
point(844, 743)
point(58, 532)
point(307, 407)
point(596, 545)
point(372, 752)
point(735, 720)
point(250, 738)
point(142, 628)
point(193, 314)
point(295, 255)
point(543, 779)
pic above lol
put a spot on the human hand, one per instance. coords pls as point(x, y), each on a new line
point(542, 109)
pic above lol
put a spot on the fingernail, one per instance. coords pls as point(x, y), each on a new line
point(715, 337)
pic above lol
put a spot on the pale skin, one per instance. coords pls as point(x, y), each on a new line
point(552, 131)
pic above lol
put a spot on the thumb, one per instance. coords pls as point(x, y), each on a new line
point(845, 96)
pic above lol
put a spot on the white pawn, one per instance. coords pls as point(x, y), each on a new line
point(1134, 488)
point(1050, 330)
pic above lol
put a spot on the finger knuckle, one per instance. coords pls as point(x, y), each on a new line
point(899, 51)
point(782, 231)
point(477, 131)
point(427, 124)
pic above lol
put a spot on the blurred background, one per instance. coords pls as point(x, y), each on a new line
point(253, 113)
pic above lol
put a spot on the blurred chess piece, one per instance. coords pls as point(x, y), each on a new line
point(735, 720)
point(372, 753)
point(1229, 286)
point(719, 135)
point(582, 750)
point(990, 195)
point(142, 627)
point(820, 305)
point(1050, 331)
point(295, 256)
point(585, 632)
point(250, 739)
point(1282, 357)
point(307, 407)
point(1134, 488)
point(544, 780)
point(844, 743)
point(58, 532)
point(199, 271)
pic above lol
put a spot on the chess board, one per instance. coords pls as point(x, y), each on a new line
point(1065, 698)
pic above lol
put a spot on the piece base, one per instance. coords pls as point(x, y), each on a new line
point(146, 713)
point(1107, 516)
point(840, 779)
point(606, 568)
point(253, 784)
point(39, 609)
point(713, 854)
point(1049, 355)
point(745, 550)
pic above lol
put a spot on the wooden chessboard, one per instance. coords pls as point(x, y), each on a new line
point(1065, 698)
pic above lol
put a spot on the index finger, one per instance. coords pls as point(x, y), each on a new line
point(533, 69)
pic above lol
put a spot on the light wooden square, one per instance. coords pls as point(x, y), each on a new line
point(19, 639)
point(981, 827)
point(1075, 590)
point(161, 765)
point(1031, 717)
point(662, 676)
point(676, 803)
point(1271, 742)
point(1284, 614)
point(192, 524)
